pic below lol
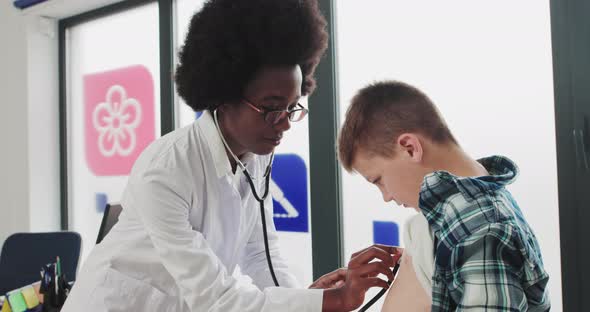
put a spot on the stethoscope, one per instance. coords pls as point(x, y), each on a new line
point(259, 199)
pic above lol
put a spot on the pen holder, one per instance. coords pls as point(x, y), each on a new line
point(54, 287)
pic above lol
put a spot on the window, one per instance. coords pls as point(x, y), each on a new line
point(113, 109)
point(491, 76)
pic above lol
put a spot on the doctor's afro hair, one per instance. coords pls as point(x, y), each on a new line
point(228, 41)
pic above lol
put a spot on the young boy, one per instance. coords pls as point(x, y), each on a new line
point(486, 255)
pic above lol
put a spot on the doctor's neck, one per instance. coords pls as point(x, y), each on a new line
point(235, 147)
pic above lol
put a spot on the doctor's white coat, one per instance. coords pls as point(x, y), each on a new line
point(187, 221)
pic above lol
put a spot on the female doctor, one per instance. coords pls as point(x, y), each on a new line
point(191, 212)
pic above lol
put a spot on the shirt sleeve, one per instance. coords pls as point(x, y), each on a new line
point(254, 262)
point(487, 271)
point(162, 199)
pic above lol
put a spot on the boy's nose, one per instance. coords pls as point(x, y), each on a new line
point(386, 196)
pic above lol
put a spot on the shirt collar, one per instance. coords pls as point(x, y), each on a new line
point(216, 147)
point(439, 186)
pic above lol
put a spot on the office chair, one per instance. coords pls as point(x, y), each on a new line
point(24, 254)
point(110, 217)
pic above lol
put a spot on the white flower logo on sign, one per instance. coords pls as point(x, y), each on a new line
point(116, 121)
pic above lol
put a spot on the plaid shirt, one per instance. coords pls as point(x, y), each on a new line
point(486, 255)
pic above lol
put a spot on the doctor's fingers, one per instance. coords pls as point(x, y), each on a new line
point(372, 274)
point(393, 250)
point(337, 275)
point(374, 282)
point(397, 254)
point(390, 249)
point(373, 269)
point(333, 279)
point(387, 248)
point(334, 276)
point(370, 254)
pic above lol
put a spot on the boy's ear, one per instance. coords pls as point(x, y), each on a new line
point(411, 146)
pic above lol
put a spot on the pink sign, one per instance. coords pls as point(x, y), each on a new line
point(119, 118)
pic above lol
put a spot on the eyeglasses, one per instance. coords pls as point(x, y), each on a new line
point(274, 117)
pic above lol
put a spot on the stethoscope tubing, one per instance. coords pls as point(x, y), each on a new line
point(259, 199)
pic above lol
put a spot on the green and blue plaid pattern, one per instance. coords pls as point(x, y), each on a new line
point(487, 257)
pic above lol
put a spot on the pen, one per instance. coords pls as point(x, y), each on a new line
point(55, 277)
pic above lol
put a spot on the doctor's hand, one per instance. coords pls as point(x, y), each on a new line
point(331, 280)
point(351, 284)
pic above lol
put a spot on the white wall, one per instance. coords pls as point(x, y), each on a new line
point(14, 171)
point(43, 116)
point(29, 114)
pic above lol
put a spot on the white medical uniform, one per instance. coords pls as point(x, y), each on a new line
point(187, 221)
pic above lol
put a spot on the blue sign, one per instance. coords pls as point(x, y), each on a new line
point(386, 233)
point(288, 188)
point(101, 200)
point(23, 4)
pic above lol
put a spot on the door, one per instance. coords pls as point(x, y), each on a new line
point(571, 62)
